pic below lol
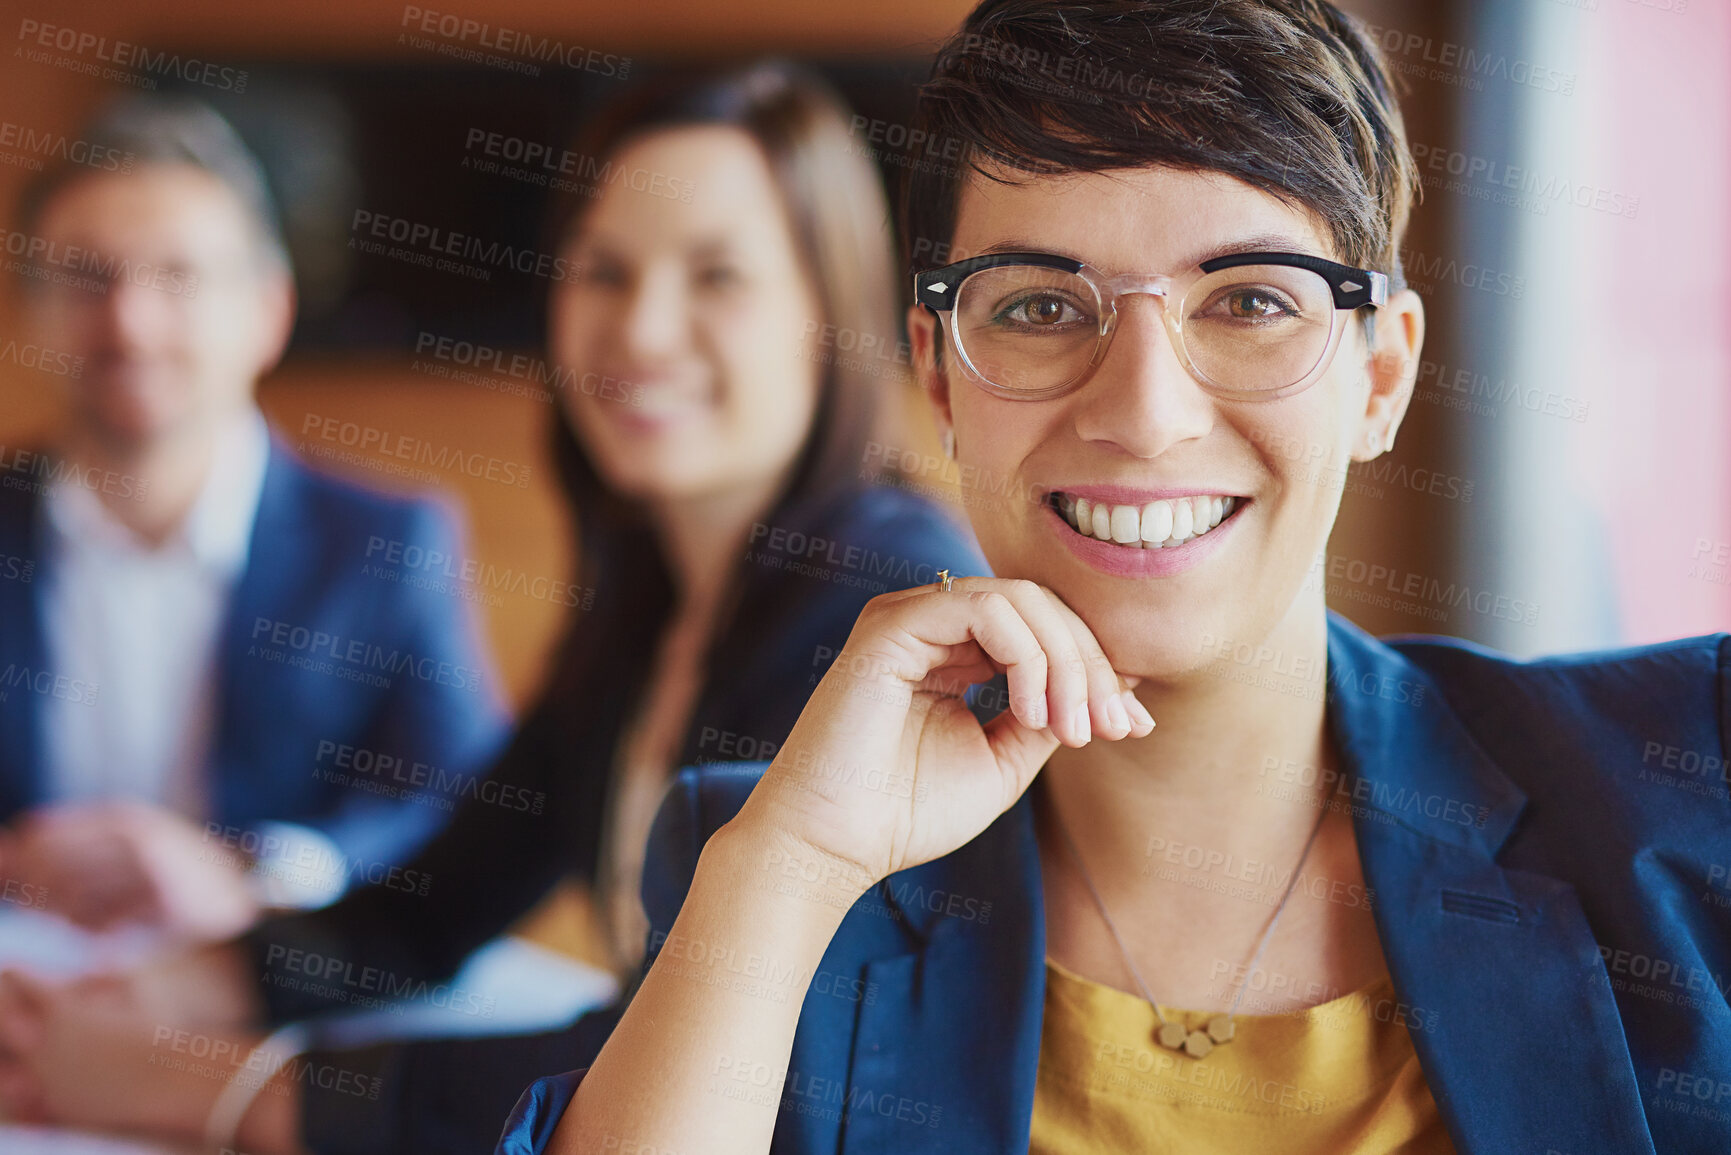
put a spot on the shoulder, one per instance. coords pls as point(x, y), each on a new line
point(339, 506)
point(1645, 731)
point(1684, 682)
point(18, 506)
point(883, 526)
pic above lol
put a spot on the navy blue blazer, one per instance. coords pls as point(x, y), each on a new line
point(1548, 842)
point(283, 690)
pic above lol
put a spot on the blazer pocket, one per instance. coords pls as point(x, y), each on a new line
point(1480, 906)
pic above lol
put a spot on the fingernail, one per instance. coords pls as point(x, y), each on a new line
point(1138, 709)
point(1037, 712)
point(1120, 716)
point(1084, 726)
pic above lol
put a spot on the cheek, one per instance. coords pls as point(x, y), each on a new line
point(580, 414)
point(766, 368)
point(1306, 454)
point(573, 328)
point(995, 440)
point(764, 405)
point(222, 337)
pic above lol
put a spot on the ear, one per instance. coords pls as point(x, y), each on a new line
point(276, 312)
point(923, 341)
point(1394, 363)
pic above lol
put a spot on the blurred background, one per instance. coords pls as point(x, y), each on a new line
point(1562, 481)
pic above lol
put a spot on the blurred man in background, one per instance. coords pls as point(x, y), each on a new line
point(208, 701)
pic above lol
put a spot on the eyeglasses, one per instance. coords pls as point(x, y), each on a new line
point(1247, 326)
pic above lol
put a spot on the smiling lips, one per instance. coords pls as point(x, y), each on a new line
point(1156, 525)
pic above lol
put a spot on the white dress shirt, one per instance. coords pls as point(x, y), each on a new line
point(142, 624)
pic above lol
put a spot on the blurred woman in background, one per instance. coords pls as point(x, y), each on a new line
point(707, 440)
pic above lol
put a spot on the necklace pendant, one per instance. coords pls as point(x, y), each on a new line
point(1197, 1044)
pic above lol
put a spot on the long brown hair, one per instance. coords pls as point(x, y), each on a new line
point(835, 203)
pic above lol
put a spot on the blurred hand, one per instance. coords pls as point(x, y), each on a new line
point(888, 768)
point(87, 1054)
point(212, 987)
point(108, 863)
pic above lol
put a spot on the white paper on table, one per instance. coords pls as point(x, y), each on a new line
point(509, 986)
point(46, 945)
point(51, 1141)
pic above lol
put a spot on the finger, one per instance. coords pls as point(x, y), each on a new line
point(1107, 689)
point(1073, 691)
point(21, 1093)
point(105, 900)
point(905, 640)
point(1010, 642)
point(966, 666)
point(23, 1013)
point(947, 676)
point(97, 882)
point(1020, 751)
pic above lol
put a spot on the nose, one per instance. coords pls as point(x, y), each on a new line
point(656, 317)
point(1141, 398)
point(131, 314)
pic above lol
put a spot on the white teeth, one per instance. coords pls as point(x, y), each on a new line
point(1126, 526)
point(1102, 523)
point(1183, 519)
point(1157, 521)
point(1156, 525)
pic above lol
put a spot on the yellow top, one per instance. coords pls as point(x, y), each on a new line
point(1340, 1078)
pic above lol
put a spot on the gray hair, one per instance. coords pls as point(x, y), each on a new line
point(170, 130)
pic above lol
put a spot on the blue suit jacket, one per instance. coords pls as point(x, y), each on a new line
point(308, 568)
point(1542, 839)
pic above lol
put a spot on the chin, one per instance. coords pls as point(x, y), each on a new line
point(1159, 629)
point(1145, 639)
point(655, 477)
point(134, 425)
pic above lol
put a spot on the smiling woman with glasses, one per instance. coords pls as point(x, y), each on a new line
point(1350, 896)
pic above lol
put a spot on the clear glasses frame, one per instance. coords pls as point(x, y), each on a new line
point(939, 289)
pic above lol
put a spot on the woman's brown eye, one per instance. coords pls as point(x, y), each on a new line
point(1045, 310)
point(1253, 305)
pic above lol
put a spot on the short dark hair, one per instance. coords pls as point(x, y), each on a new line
point(1289, 96)
point(150, 129)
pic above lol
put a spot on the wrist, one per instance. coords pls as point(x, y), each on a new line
point(744, 926)
point(767, 855)
point(272, 1122)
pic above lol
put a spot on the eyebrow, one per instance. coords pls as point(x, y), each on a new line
point(1257, 243)
point(704, 249)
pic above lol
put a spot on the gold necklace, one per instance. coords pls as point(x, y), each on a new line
point(1219, 1028)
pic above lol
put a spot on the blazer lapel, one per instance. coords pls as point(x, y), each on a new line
point(23, 652)
point(281, 553)
point(948, 1041)
point(1498, 970)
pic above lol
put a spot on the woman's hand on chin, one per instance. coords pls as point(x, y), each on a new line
point(888, 768)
